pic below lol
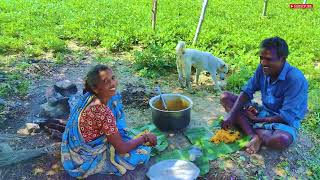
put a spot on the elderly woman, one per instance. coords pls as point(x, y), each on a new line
point(95, 139)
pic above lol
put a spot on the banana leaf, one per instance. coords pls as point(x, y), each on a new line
point(201, 136)
point(161, 138)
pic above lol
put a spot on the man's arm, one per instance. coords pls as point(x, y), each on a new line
point(247, 94)
point(295, 103)
point(240, 102)
point(272, 119)
point(237, 107)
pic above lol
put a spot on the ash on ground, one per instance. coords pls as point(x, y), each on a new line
point(136, 95)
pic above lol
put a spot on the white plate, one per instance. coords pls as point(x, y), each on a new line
point(173, 169)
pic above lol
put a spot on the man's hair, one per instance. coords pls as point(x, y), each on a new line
point(278, 44)
point(93, 78)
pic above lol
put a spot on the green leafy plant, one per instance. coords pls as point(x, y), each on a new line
point(103, 59)
point(15, 84)
point(153, 61)
point(238, 79)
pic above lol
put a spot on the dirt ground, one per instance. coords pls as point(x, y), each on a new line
point(268, 164)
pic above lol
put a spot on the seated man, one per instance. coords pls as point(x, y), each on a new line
point(284, 91)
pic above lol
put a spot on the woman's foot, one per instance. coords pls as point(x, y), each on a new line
point(254, 145)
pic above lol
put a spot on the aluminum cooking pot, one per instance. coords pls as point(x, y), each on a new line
point(177, 116)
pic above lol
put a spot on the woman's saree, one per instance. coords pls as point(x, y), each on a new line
point(81, 159)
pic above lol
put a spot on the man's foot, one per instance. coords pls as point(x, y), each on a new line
point(254, 145)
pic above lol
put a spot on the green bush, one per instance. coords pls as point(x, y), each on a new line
point(238, 79)
point(154, 61)
point(312, 121)
point(103, 59)
point(15, 84)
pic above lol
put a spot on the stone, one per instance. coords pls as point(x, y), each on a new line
point(23, 131)
point(52, 96)
point(66, 88)
point(28, 129)
point(59, 110)
point(32, 126)
point(65, 84)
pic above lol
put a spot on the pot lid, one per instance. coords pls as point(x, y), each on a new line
point(173, 169)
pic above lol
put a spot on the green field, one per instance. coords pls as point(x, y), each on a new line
point(232, 30)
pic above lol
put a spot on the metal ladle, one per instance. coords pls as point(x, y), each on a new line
point(161, 97)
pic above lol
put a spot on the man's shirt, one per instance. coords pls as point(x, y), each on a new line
point(287, 96)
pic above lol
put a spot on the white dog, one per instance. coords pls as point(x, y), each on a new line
point(203, 61)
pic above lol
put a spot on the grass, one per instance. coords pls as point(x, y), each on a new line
point(15, 84)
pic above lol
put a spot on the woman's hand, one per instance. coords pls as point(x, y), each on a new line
point(150, 138)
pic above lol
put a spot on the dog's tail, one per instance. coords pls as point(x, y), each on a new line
point(180, 48)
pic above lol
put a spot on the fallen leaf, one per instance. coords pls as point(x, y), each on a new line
point(309, 173)
point(228, 164)
point(257, 160)
point(51, 173)
point(55, 167)
point(280, 171)
point(38, 171)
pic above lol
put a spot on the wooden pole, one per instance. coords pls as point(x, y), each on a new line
point(203, 12)
point(154, 14)
point(264, 13)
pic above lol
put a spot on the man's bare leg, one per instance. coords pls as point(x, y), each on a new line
point(227, 100)
point(275, 139)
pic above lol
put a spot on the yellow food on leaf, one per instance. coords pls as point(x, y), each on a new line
point(222, 135)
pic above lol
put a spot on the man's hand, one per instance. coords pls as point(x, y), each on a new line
point(252, 110)
point(237, 107)
point(228, 121)
point(252, 113)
